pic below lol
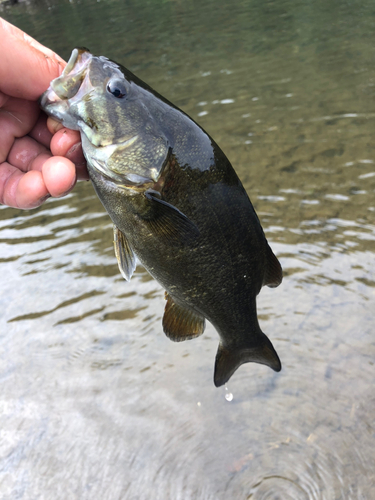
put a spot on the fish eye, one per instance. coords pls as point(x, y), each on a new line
point(117, 88)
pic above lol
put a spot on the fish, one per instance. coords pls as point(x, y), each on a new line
point(176, 204)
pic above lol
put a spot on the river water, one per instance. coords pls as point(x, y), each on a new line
point(95, 402)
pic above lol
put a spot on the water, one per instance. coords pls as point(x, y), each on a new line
point(228, 395)
point(96, 402)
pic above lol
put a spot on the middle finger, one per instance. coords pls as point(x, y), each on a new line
point(28, 154)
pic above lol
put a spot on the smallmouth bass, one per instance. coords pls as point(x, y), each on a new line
point(176, 203)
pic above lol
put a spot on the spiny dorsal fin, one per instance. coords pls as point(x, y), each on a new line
point(181, 323)
point(125, 256)
point(229, 359)
point(167, 221)
point(273, 275)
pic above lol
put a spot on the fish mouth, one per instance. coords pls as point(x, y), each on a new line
point(55, 100)
point(78, 58)
point(67, 85)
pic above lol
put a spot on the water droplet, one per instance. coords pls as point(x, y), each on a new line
point(228, 395)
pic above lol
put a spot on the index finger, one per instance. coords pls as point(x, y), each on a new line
point(26, 66)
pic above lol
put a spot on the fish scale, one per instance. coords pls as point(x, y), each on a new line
point(176, 203)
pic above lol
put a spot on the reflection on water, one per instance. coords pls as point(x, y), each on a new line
point(96, 402)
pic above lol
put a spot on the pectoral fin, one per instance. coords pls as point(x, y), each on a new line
point(125, 256)
point(229, 359)
point(181, 323)
point(167, 221)
point(273, 275)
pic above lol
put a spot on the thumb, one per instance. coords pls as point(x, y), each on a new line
point(26, 66)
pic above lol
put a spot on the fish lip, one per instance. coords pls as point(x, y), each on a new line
point(57, 108)
point(76, 67)
point(48, 97)
point(79, 56)
point(63, 90)
point(67, 85)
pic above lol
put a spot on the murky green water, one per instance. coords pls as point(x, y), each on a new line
point(95, 402)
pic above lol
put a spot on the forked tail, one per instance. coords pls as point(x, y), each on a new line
point(229, 358)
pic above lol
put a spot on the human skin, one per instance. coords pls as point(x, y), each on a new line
point(39, 158)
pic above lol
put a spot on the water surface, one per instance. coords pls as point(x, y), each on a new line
point(96, 402)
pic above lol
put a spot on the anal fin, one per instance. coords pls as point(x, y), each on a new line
point(125, 256)
point(273, 275)
point(181, 323)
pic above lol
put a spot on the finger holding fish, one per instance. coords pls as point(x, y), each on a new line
point(67, 143)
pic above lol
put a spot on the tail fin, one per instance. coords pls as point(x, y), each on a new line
point(228, 359)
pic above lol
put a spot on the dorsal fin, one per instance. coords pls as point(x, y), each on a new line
point(181, 323)
point(273, 275)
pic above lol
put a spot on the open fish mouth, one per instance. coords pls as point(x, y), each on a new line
point(68, 84)
point(56, 99)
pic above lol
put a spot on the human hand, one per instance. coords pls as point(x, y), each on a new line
point(29, 173)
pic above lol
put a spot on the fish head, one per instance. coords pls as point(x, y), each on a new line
point(119, 119)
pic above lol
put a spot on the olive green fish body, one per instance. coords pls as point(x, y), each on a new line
point(176, 204)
